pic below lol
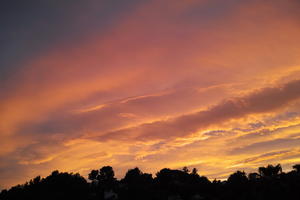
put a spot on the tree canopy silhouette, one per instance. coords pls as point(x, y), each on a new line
point(169, 184)
point(270, 171)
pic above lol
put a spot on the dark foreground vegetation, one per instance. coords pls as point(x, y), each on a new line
point(269, 183)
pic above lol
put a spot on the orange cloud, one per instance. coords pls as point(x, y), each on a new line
point(264, 100)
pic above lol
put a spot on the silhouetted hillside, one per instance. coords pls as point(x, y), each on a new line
point(269, 183)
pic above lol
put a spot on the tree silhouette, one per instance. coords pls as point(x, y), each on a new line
point(253, 176)
point(138, 185)
point(238, 178)
point(106, 174)
point(93, 175)
point(297, 168)
point(270, 183)
point(270, 171)
point(194, 171)
point(137, 176)
point(56, 186)
point(185, 169)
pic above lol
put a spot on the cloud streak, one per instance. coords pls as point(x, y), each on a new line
point(264, 100)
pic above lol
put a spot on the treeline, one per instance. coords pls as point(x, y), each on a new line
point(268, 183)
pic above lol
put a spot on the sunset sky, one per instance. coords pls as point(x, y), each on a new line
point(211, 84)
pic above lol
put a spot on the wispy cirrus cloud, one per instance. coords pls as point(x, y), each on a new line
point(264, 100)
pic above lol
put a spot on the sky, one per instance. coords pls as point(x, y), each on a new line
point(210, 84)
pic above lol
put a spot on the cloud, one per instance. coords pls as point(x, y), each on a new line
point(267, 156)
point(127, 112)
point(260, 101)
point(265, 146)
